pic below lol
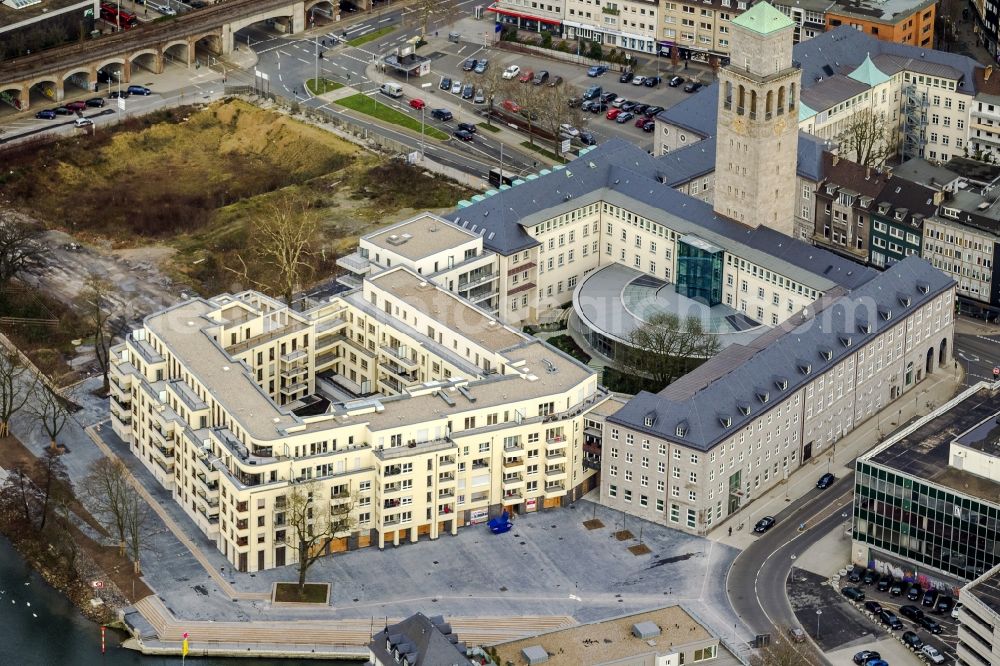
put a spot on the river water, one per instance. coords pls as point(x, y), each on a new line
point(40, 627)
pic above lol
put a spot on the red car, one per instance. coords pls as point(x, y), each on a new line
point(641, 120)
point(76, 106)
point(417, 103)
point(511, 105)
point(613, 113)
point(526, 76)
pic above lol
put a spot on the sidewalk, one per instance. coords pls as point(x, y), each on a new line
point(934, 390)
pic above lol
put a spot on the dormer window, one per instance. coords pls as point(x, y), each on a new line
point(781, 383)
point(864, 327)
point(904, 300)
point(744, 408)
point(846, 340)
point(827, 354)
point(763, 396)
point(831, 189)
point(681, 429)
point(923, 287)
point(649, 420)
point(885, 313)
point(726, 421)
point(804, 367)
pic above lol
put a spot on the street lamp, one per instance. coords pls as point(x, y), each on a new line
point(819, 612)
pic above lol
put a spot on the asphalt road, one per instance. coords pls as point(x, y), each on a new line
point(757, 579)
point(978, 354)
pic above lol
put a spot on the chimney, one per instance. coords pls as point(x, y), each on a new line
point(836, 159)
point(987, 72)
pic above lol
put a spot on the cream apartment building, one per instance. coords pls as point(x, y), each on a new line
point(418, 409)
point(623, 24)
point(707, 445)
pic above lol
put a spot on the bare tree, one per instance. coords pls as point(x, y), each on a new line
point(53, 486)
point(136, 513)
point(49, 412)
point(665, 347)
point(282, 241)
point(494, 86)
point(532, 100)
point(19, 247)
point(97, 308)
point(556, 111)
point(314, 522)
point(106, 486)
point(16, 386)
point(869, 138)
point(19, 497)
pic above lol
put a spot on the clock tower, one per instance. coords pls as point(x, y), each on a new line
point(758, 122)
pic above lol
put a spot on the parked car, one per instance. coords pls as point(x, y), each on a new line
point(638, 80)
point(825, 481)
point(932, 654)
point(587, 139)
point(555, 81)
point(873, 607)
point(865, 656)
point(954, 610)
point(442, 114)
point(511, 72)
point(652, 81)
point(96, 102)
point(585, 104)
point(640, 109)
point(640, 120)
point(456, 87)
point(618, 101)
point(854, 575)
point(694, 86)
point(613, 113)
point(796, 634)
point(609, 96)
point(76, 106)
point(468, 127)
point(896, 588)
point(569, 130)
point(914, 591)
point(468, 91)
point(46, 114)
point(597, 106)
point(83, 122)
point(944, 604)
point(445, 83)
point(884, 581)
point(596, 70)
point(930, 598)
point(629, 105)
point(911, 640)
point(469, 65)
point(869, 577)
point(541, 77)
point(417, 103)
point(930, 624)
point(624, 117)
point(889, 618)
point(480, 97)
point(481, 66)
point(463, 135)
point(139, 90)
point(62, 111)
point(592, 92)
point(526, 76)
point(852, 593)
point(675, 81)
point(511, 105)
point(764, 524)
point(911, 612)
point(118, 94)
point(626, 76)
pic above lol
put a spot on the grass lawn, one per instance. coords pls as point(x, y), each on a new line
point(368, 106)
point(325, 86)
point(542, 151)
point(488, 128)
point(364, 39)
point(567, 344)
point(314, 593)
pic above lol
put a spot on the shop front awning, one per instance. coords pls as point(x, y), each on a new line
point(521, 15)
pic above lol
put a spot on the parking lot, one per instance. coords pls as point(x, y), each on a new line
point(944, 642)
point(448, 63)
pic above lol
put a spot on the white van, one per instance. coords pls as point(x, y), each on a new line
point(391, 89)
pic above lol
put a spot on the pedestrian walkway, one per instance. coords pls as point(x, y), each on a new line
point(934, 390)
point(324, 636)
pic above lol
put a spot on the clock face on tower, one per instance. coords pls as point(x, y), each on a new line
point(739, 125)
point(779, 126)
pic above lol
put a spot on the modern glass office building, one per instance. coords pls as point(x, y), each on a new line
point(925, 497)
point(699, 270)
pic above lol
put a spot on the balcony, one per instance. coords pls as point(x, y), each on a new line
point(167, 467)
point(592, 449)
point(526, 286)
point(241, 507)
point(480, 464)
point(446, 463)
point(446, 511)
point(513, 465)
point(264, 338)
point(475, 281)
point(556, 445)
point(520, 268)
point(294, 356)
point(446, 493)
point(611, 11)
point(290, 374)
point(243, 541)
point(513, 497)
point(591, 463)
point(555, 489)
point(124, 420)
point(512, 482)
point(392, 488)
point(160, 438)
point(446, 479)
point(291, 389)
point(556, 459)
point(555, 474)
point(400, 358)
point(206, 486)
point(355, 263)
point(120, 393)
point(407, 377)
point(124, 413)
point(513, 449)
point(481, 496)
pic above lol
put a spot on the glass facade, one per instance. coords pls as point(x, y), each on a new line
point(699, 270)
point(924, 523)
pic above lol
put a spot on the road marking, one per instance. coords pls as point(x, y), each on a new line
point(303, 60)
point(384, 20)
point(279, 77)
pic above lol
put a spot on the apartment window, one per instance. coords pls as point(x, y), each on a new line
point(675, 513)
point(612, 490)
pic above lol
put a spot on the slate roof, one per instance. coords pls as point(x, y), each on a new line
point(914, 202)
point(623, 174)
point(851, 176)
point(685, 164)
point(810, 161)
point(831, 91)
point(424, 641)
point(743, 382)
